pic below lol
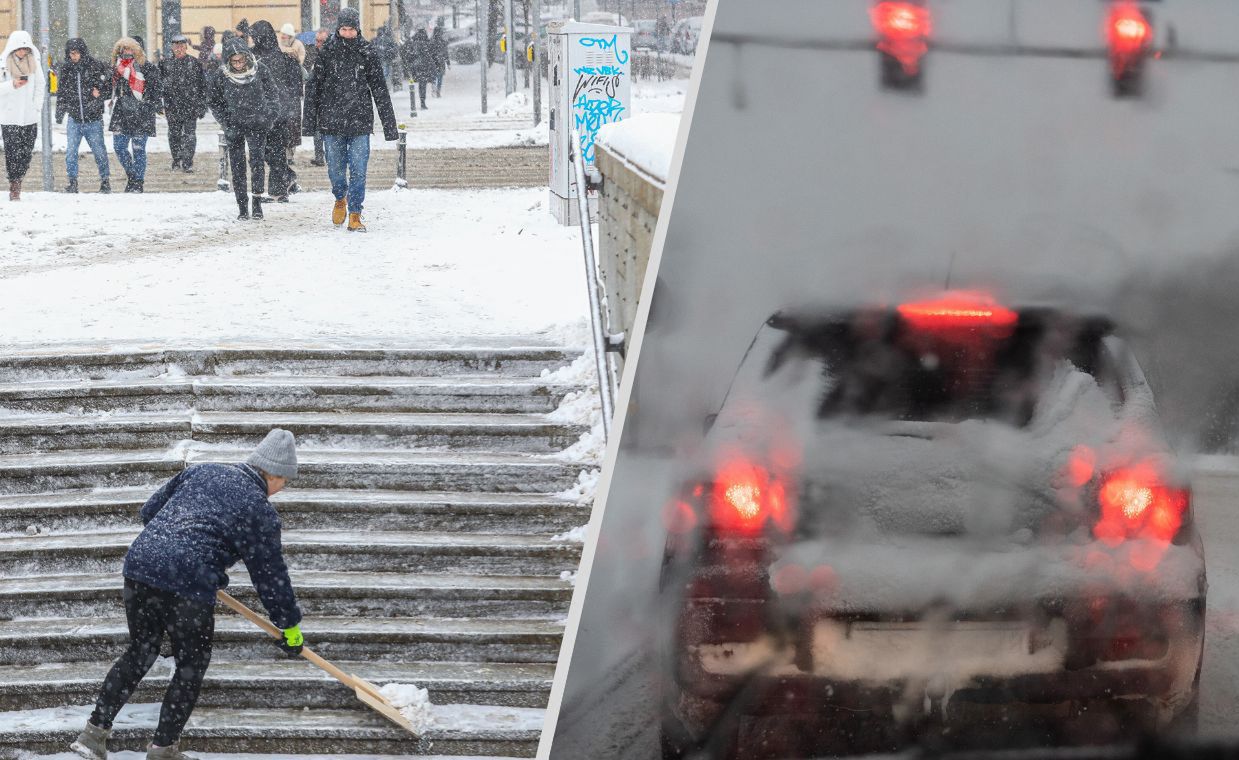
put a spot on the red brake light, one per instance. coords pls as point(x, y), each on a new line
point(1127, 28)
point(958, 310)
point(746, 497)
point(900, 19)
point(1136, 503)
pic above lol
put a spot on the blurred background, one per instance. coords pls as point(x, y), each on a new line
point(1020, 160)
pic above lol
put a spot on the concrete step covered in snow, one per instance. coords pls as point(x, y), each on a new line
point(316, 509)
point(379, 469)
point(314, 430)
point(453, 730)
point(43, 640)
point(284, 683)
point(69, 364)
point(420, 535)
point(389, 551)
point(320, 594)
point(494, 393)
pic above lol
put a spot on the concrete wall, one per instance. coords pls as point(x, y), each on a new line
point(627, 215)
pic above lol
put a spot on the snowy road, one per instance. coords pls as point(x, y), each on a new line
point(436, 264)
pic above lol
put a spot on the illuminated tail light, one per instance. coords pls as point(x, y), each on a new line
point(746, 497)
point(1137, 503)
point(903, 30)
point(954, 311)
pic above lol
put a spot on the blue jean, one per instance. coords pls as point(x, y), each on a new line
point(135, 163)
point(92, 131)
point(347, 158)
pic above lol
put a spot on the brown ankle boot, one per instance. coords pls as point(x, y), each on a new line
point(339, 211)
point(354, 223)
point(15, 190)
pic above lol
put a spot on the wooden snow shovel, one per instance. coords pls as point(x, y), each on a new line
point(366, 691)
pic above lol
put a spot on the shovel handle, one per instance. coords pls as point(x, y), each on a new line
point(266, 625)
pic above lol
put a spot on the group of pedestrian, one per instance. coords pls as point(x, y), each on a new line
point(265, 89)
point(426, 59)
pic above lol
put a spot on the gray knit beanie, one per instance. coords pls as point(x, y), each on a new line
point(276, 455)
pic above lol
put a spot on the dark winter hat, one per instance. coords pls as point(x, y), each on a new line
point(179, 38)
point(276, 455)
point(78, 44)
point(264, 38)
point(350, 17)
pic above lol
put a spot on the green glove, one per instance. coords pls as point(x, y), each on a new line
point(293, 641)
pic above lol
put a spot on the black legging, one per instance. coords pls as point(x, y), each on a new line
point(257, 141)
point(277, 158)
point(190, 626)
point(183, 138)
point(18, 148)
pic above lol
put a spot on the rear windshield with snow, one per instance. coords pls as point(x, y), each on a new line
point(875, 365)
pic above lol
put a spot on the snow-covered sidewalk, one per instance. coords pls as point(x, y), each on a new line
point(144, 269)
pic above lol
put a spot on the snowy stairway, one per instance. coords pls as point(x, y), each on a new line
point(420, 537)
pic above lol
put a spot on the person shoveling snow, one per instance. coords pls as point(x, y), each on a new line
point(197, 526)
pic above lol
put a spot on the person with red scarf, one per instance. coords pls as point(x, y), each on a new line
point(135, 82)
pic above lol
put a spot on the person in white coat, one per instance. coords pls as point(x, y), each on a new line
point(22, 90)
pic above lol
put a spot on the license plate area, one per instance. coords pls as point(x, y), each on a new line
point(871, 651)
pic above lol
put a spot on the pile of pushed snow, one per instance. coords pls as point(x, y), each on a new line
point(516, 104)
point(574, 536)
point(645, 141)
point(584, 490)
point(413, 703)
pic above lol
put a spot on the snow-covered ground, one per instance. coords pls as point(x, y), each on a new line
point(435, 265)
point(454, 120)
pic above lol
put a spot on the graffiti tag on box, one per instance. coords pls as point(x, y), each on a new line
point(595, 97)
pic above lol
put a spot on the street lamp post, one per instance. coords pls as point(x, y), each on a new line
point(44, 44)
point(509, 56)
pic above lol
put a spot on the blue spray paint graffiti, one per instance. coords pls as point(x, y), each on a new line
point(595, 98)
point(602, 43)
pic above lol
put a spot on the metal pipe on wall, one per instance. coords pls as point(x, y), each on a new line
point(46, 127)
point(509, 57)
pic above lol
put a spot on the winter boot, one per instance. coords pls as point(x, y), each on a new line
point(92, 743)
point(72, 186)
point(354, 223)
point(188, 168)
point(129, 185)
point(167, 753)
point(244, 205)
point(256, 213)
point(105, 185)
point(15, 190)
point(176, 164)
point(339, 212)
point(139, 185)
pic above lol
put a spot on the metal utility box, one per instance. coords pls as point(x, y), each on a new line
point(591, 86)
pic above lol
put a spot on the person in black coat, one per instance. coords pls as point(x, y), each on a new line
point(85, 86)
point(419, 58)
point(344, 90)
point(197, 526)
point(184, 101)
point(286, 75)
point(443, 60)
point(137, 97)
point(245, 102)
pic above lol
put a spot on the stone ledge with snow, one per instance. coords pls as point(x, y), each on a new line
point(646, 142)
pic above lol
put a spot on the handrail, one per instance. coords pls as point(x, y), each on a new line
point(606, 382)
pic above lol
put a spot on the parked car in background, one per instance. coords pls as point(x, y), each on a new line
point(686, 35)
point(645, 35)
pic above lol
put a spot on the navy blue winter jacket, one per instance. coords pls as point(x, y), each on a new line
point(199, 524)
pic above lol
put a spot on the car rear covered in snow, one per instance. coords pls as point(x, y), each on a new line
point(946, 517)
